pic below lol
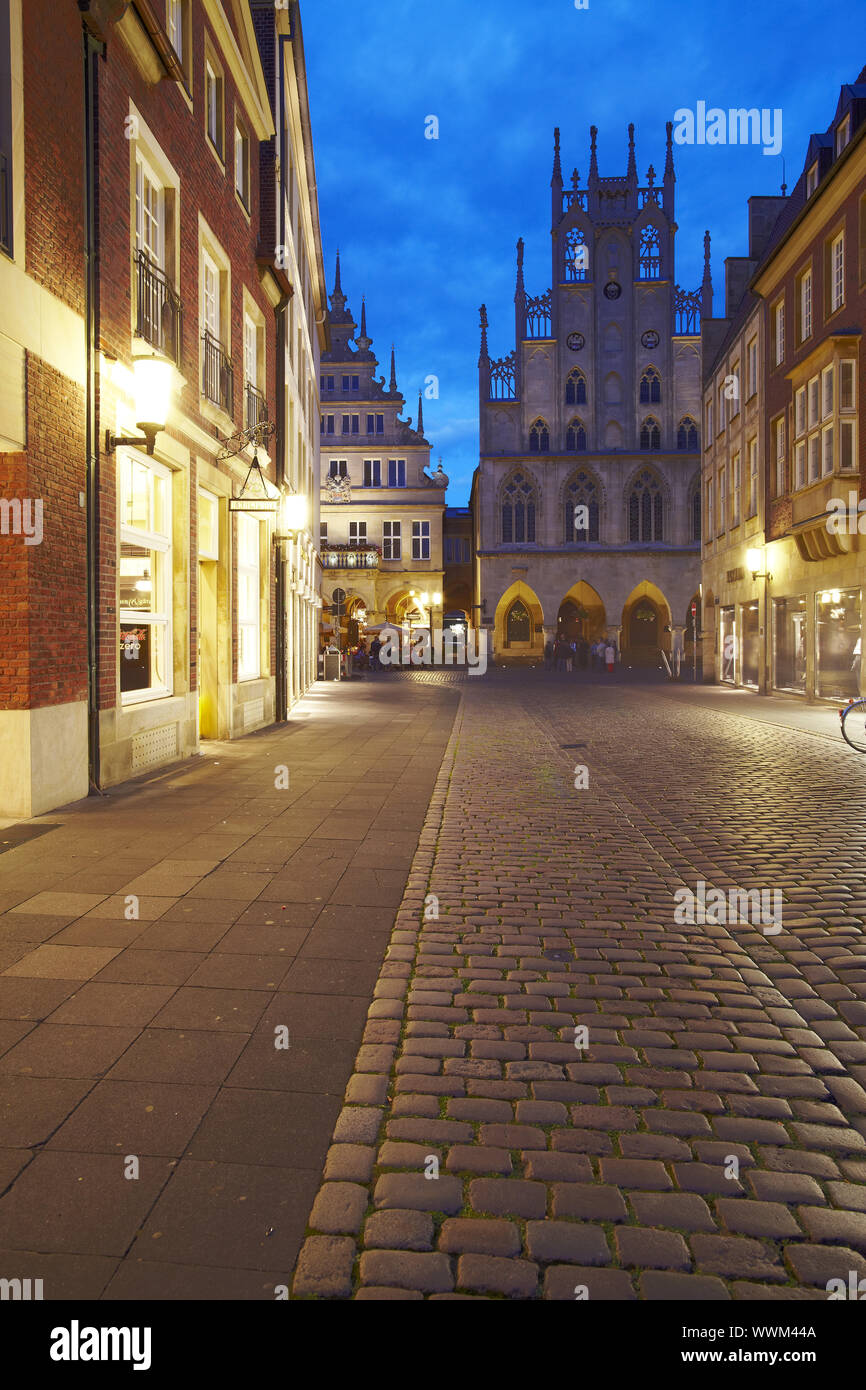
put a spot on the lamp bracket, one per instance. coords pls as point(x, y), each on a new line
point(115, 441)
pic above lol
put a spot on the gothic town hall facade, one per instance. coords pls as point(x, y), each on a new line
point(586, 501)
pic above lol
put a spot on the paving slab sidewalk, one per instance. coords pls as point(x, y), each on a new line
point(185, 972)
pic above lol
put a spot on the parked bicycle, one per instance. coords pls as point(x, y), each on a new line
point(853, 718)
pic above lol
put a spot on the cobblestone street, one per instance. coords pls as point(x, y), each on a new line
point(703, 1140)
point(708, 1142)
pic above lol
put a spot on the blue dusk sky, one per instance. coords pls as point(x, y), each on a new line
point(427, 228)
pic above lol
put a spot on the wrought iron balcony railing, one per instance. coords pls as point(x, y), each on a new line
point(256, 406)
point(218, 375)
point(160, 311)
point(350, 557)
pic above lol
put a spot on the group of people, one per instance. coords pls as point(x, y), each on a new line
point(562, 654)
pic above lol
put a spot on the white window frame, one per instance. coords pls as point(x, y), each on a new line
point(843, 134)
point(752, 447)
point(735, 490)
point(710, 490)
point(160, 542)
point(811, 179)
point(242, 163)
point(214, 103)
point(397, 471)
point(357, 533)
point(848, 431)
point(249, 580)
point(837, 272)
point(780, 455)
point(827, 442)
point(420, 540)
point(813, 387)
point(372, 472)
point(211, 298)
point(805, 305)
point(828, 379)
point(814, 456)
point(752, 367)
point(800, 412)
point(734, 408)
point(779, 333)
point(392, 540)
point(144, 215)
point(800, 465)
point(847, 368)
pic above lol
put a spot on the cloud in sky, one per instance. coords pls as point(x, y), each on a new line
point(427, 228)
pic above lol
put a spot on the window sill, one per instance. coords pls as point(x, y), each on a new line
point(216, 415)
point(141, 697)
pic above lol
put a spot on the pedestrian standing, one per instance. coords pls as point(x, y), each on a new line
point(548, 655)
point(610, 657)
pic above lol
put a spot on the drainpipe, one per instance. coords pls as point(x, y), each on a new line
point(280, 596)
point(93, 49)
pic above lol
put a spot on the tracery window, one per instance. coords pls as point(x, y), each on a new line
point(646, 508)
point(575, 437)
point(575, 388)
point(649, 254)
point(687, 434)
point(581, 492)
point(650, 387)
point(650, 434)
point(519, 503)
point(539, 437)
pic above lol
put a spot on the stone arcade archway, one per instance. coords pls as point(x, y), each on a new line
point(645, 617)
point(518, 625)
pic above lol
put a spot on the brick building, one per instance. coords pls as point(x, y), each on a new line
point(151, 614)
point(783, 568)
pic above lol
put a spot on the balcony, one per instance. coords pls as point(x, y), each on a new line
point(350, 557)
point(160, 312)
point(256, 406)
point(218, 375)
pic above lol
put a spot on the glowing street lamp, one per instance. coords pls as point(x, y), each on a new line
point(294, 513)
point(152, 379)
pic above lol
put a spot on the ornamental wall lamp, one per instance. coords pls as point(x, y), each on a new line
point(151, 382)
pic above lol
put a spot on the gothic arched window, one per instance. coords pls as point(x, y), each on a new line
point(646, 508)
point(518, 624)
point(687, 434)
point(650, 387)
point(649, 255)
point(575, 437)
point(519, 503)
point(581, 492)
point(539, 437)
point(576, 255)
point(575, 388)
point(650, 434)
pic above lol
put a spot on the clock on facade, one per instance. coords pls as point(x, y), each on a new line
point(650, 339)
point(575, 341)
point(612, 290)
